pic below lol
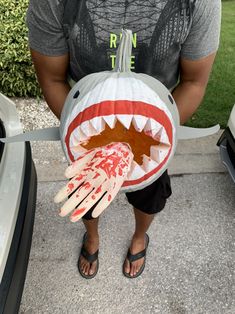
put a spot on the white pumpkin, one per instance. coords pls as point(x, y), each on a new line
point(123, 106)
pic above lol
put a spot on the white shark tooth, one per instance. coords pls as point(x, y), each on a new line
point(75, 146)
point(139, 122)
point(158, 154)
point(164, 137)
point(156, 128)
point(149, 164)
point(154, 153)
point(110, 120)
point(98, 123)
point(136, 171)
point(157, 135)
point(125, 119)
point(152, 127)
point(163, 153)
point(80, 135)
point(88, 129)
point(74, 141)
point(163, 146)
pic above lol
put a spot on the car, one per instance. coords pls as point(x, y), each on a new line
point(226, 145)
point(18, 189)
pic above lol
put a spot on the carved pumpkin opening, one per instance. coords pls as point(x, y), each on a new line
point(139, 142)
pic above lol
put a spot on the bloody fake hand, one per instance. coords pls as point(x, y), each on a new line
point(96, 175)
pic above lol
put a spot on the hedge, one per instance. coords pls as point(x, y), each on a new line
point(17, 76)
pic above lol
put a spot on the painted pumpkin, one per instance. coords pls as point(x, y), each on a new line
point(123, 106)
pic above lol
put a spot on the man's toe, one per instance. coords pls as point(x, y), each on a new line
point(81, 265)
point(132, 270)
point(137, 268)
point(127, 267)
point(84, 268)
point(92, 268)
point(87, 270)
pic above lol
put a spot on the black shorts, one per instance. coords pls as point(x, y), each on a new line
point(149, 200)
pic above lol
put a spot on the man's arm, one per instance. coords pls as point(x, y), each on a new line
point(52, 76)
point(194, 76)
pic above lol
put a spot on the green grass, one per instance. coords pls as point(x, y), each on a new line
point(220, 93)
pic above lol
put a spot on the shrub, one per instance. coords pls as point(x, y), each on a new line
point(17, 76)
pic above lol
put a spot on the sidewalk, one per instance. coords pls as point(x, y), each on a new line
point(189, 266)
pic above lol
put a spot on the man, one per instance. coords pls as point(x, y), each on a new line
point(173, 40)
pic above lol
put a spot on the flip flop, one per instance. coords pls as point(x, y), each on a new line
point(89, 257)
point(134, 257)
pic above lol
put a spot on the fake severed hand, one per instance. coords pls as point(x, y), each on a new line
point(97, 175)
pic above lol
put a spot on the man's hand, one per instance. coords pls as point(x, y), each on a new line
point(97, 176)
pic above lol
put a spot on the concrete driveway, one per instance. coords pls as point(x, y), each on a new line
point(190, 260)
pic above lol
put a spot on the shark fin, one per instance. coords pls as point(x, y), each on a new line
point(48, 134)
point(185, 133)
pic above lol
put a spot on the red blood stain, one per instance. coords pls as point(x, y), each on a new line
point(98, 190)
point(93, 197)
point(113, 161)
point(78, 212)
point(91, 164)
point(87, 185)
point(79, 178)
point(70, 186)
point(109, 198)
point(99, 154)
point(120, 172)
point(110, 146)
point(125, 154)
point(109, 165)
point(96, 175)
point(87, 169)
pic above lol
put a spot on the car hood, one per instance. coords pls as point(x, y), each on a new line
point(12, 167)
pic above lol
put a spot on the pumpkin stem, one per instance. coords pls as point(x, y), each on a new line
point(123, 58)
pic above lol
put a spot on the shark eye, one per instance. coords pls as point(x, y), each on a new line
point(76, 94)
point(171, 99)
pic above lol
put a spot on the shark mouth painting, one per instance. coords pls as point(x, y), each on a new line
point(132, 113)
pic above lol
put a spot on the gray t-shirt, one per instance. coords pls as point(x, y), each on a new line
point(163, 32)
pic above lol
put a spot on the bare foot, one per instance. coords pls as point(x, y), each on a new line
point(138, 244)
point(91, 245)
